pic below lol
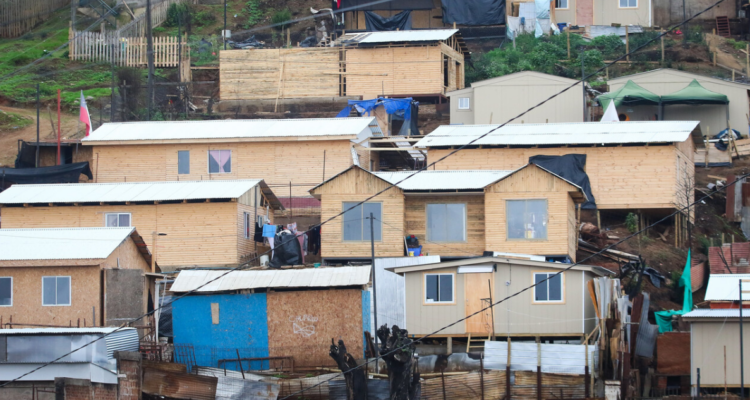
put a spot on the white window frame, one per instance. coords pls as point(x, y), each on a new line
point(562, 288)
point(619, 4)
point(130, 219)
point(70, 291)
point(11, 291)
point(424, 288)
point(468, 103)
point(427, 224)
point(208, 161)
point(567, 4)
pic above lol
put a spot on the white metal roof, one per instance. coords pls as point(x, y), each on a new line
point(420, 35)
point(443, 180)
point(561, 133)
point(290, 278)
point(229, 129)
point(60, 243)
point(121, 192)
point(60, 331)
point(725, 287)
point(717, 313)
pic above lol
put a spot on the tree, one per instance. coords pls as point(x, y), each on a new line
point(356, 378)
point(397, 350)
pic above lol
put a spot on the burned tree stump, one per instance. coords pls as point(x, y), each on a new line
point(356, 380)
point(397, 350)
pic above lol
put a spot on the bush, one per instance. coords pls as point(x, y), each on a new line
point(204, 18)
point(611, 46)
point(252, 10)
point(177, 13)
point(737, 44)
point(631, 222)
point(281, 17)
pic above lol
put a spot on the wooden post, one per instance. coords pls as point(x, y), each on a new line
point(606, 71)
point(747, 59)
point(708, 134)
point(733, 75)
point(481, 373)
point(442, 379)
point(730, 133)
point(714, 58)
point(538, 368)
point(627, 44)
point(598, 219)
point(507, 373)
point(288, 38)
point(450, 345)
point(586, 372)
point(567, 31)
point(662, 47)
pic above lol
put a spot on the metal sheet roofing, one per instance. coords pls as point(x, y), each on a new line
point(420, 35)
point(290, 278)
point(725, 287)
point(561, 133)
point(229, 129)
point(443, 180)
point(122, 192)
point(61, 331)
point(60, 243)
point(717, 313)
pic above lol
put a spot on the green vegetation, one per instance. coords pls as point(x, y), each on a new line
point(281, 17)
point(631, 222)
point(9, 120)
point(177, 13)
point(737, 44)
point(204, 50)
point(253, 12)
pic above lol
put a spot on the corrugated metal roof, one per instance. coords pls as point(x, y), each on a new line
point(443, 180)
point(561, 133)
point(229, 129)
point(421, 35)
point(122, 192)
point(717, 313)
point(61, 331)
point(725, 287)
point(59, 244)
point(240, 280)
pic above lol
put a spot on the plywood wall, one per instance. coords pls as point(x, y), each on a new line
point(416, 224)
point(283, 73)
point(621, 177)
point(197, 233)
point(278, 163)
point(302, 323)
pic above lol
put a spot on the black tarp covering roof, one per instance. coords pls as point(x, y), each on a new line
point(571, 167)
point(386, 5)
point(398, 22)
point(68, 173)
point(474, 12)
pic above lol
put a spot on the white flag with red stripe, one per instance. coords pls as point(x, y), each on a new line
point(85, 117)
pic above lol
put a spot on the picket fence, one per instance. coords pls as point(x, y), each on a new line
point(109, 47)
point(19, 16)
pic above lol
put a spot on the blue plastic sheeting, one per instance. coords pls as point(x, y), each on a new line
point(366, 315)
point(400, 107)
point(243, 326)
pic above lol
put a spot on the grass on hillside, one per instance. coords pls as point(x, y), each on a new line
point(9, 121)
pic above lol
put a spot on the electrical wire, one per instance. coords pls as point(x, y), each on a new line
point(246, 264)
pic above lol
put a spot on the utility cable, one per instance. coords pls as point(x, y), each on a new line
point(246, 264)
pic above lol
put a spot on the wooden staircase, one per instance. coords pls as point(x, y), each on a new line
point(476, 344)
point(722, 26)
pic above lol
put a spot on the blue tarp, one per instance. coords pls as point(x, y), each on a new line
point(401, 108)
point(664, 318)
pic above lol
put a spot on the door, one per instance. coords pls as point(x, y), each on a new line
point(477, 292)
point(585, 12)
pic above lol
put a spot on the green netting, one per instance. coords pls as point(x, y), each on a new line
point(630, 95)
point(694, 93)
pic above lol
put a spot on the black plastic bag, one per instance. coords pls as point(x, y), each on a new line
point(287, 252)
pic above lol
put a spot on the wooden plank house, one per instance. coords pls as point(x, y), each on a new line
point(293, 154)
point(68, 276)
point(631, 165)
point(206, 223)
point(454, 214)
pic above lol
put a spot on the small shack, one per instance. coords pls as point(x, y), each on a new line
point(73, 276)
point(207, 223)
point(454, 214)
point(271, 316)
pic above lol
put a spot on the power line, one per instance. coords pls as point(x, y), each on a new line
point(246, 264)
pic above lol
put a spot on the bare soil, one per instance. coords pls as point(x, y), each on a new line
point(9, 137)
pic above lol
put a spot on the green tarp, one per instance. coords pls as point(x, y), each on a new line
point(664, 318)
point(630, 95)
point(694, 93)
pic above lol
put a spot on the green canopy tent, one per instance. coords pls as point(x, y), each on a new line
point(696, 94)
point(629, 95)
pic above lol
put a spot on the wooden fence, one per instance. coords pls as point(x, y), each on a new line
point(19, 16)
point(137, 27)
point(109, 47)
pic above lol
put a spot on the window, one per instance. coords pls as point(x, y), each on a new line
point(183, 162)
point(219, 161)
point(55, 290)
point(464, 103)
point(6, 291)
point(356, 227)
point(117, 219)
point(549, 288)
point(561, 4)
point(527, 219)
point(446, 222)
point(438, 288)
point(249, 228)
point(628, 3)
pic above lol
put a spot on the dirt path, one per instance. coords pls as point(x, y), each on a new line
point(9, 137)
